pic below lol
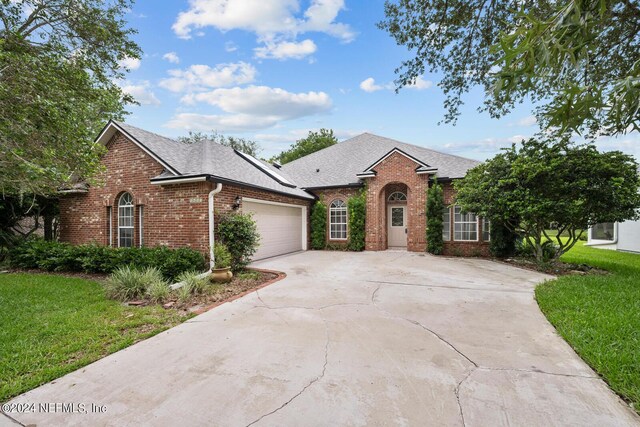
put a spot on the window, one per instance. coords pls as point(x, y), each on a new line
point(486, 230)
point(338, 220)
point(125, 221)
point(140, 225)
point(603, 231)
point(446, 224)
point(465, 226)
point(398, 196)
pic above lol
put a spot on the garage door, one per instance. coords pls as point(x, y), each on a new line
point(280, 226)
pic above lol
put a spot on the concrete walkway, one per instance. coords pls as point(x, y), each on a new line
point(388, 338)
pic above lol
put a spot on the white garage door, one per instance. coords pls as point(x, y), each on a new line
point(282, 227)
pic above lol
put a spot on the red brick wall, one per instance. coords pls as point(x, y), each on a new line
point(175, 215)
point(329, 196)
point(453, 248)
point(396, 169)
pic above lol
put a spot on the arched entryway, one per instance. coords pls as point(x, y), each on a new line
point(397, 215)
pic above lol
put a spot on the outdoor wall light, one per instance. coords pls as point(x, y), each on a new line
point(236, 203)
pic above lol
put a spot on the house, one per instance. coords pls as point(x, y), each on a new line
point(157, 191)
point(621, 236)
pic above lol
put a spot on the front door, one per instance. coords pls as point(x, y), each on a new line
point(397, 228)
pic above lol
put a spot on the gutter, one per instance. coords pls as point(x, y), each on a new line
point(211, 225)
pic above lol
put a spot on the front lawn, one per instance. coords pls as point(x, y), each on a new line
point(599, 315)
point(51, 325)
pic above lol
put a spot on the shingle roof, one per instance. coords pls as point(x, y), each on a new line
point(209, 158)
point(339, 164)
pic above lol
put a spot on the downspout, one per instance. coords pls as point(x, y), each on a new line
point(211, 225)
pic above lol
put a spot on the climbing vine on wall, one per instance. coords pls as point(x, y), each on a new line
point(357, 206)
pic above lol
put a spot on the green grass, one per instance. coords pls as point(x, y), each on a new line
point(599, 315)
point(51, 325)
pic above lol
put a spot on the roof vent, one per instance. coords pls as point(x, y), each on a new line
point(317, 170)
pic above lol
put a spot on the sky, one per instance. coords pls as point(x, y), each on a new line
point(273, 70)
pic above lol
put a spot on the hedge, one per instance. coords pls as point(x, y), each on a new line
point(318, 225)
point(91, 258)
point(435, 206)
point(239, 233)
point(357, 216)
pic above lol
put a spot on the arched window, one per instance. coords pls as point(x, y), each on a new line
point(398, 196)
point(338, 220)
point(125, 221)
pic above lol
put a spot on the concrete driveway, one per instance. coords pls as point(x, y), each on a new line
point(386, 338)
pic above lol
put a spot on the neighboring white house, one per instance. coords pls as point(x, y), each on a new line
point(620, 236)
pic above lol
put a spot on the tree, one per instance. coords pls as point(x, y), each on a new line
point(579, 59)
point(58, 86)
point(435, 206)
point(241, 144)
point(544, 182)
point(315, 141)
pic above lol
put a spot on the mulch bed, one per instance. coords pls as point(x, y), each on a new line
point(556, 269)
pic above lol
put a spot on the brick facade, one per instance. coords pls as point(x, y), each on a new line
point(396, 172)
point(453, 248)
point(173, 215)
point(328, 196)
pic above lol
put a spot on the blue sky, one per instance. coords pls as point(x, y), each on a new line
point(272, 70)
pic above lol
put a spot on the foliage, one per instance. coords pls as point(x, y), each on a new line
point(60, 82)
point(244, 145)
point(158, 291)
point(435, 206)
point(193, 281)
point(184, 292)
point(221, 256)
point(580, 59)
point(318, 225)
point(127, 283)
point(248, 275)
point(239, 233)
point(544, 182)
point(53, 325)
point(599, 315)
point(315, 141)
point(43, 212)
point(503, 240)
point(57, 256)
point(357, 208)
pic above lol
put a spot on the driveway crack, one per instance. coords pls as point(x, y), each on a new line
point(312, 382)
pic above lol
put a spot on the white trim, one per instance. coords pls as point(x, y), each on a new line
point(289, 205)
point(131, 227)
point(477, 239)
point(450, 231)
point(346, 210)
point(598, 242)
point(140, 225)
point(170, 181)
point(210, 214)
point(366, 175)
point(397, 150)
point(78, 191)
point(430, 171)
point(112, 124)
point(110, 219)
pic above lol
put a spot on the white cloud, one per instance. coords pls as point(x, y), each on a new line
point(203, 77)
point(286, 50)
point(527, 121)
point(487, 146)
point(251, 108)
point(274, 143)
point(230, 46)
point(271, 21)
point(129, 63)
point(369, 85)
point(141, 92)
point(171, 57)
point(420, 84)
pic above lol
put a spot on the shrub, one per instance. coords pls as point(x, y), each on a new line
point(91, 258)
point(357, 206)
point(239, 233)
point(192, 281)
point(503, 241)
point(221, 256)
point(158, 291)
point(248, 275)
point(435, 206)
point(127, 283)
point(318, 225)
point(526, 250)
point(184, 292)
